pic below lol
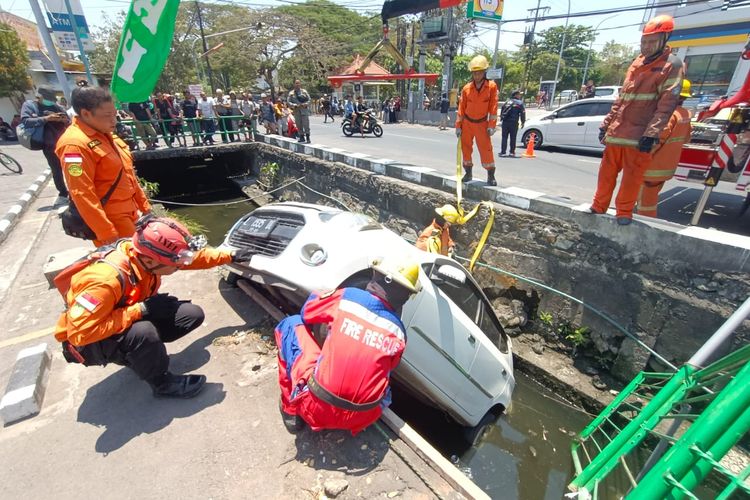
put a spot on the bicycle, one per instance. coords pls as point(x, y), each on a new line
point(10, 163)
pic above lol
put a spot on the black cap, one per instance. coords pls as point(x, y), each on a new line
point(46, 92)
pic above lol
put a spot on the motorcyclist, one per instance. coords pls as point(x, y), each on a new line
point(360, 114)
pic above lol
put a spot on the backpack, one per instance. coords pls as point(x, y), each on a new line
point(31, 137)
point(63, 279)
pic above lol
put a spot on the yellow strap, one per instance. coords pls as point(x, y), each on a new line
point(485, 234)
point(433, 244)
point(459, 171)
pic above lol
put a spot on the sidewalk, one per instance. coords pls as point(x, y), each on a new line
point(18, 190)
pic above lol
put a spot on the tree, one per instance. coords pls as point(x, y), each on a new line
point(14, 63)
point(613, 61)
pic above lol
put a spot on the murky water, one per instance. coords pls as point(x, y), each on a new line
point(525, 455)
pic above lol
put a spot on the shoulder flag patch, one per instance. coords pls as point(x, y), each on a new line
point(73, 164)
point(94, 143)
point(88, 301)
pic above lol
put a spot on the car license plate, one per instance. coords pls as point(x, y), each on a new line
point(260, 228)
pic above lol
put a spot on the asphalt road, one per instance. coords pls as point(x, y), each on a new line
point(562, 173)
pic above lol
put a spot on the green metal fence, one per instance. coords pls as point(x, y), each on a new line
point(697, 420)
point(177, 131)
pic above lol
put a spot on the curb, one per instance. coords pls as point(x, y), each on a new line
point(27, 384)
point(706, 246)
point(14, 213)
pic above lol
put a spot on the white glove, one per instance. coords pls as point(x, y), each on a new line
point(490, 132)
point(458, 132)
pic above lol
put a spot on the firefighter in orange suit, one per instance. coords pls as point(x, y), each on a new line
point(477, 118)
point(115, 315)
point(436, 238)
point(632, 128)
point(92, 158)
point(666, 156)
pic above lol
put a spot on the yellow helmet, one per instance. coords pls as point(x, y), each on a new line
point(479, 63)
point(404, 273)
point(685, 92)
point(449, 213)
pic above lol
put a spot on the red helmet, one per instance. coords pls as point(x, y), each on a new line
point(659, 24)
point(166, 241)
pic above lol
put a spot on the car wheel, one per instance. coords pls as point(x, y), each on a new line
point(473, 435)
point(232, 278)
point(537, 140)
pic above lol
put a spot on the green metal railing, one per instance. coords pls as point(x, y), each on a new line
point(711, 410)
point(195, 128)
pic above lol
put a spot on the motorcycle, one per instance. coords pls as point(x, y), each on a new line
point(370, 125)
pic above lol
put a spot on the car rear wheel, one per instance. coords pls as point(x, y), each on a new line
point(473, 435)
point(527, 136)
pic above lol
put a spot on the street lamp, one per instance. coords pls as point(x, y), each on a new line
point(588, 56)
point(559, 57)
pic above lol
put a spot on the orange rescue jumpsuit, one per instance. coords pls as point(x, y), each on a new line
point(477, 111)
point(435, 231)
point(91, 162)
point(648, 97)
point(665, 160)
point(95, 310)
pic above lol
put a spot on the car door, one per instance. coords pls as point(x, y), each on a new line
point(598, 112)
point(441, 338)
point(570, 124)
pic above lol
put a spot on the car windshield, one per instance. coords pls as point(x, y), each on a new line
point(603, 92)
point(348, 220)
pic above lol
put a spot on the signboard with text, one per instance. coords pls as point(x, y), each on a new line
point(494, 73)
point(485, 10)
point(62, 27)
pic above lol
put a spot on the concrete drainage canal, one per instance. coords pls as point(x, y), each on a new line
point(568, 362)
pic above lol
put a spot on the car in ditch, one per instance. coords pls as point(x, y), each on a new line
point(458, 358)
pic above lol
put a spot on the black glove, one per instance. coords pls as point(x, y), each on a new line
point(646, 144)
point(602, 134)
point(242, 255)
point(159, 306)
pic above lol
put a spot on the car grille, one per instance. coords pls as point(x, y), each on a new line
point(287, 227)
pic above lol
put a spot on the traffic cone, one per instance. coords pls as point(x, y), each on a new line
point(530, 148)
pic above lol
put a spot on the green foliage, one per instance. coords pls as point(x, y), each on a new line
point(193, 226)
point(150, 188)
point(579, 336)
point(268, 173)
point(546, 318)
point(14, 62)
point(612, 62)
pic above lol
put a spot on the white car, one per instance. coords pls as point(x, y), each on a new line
point(457, 358)
point(608, 91)
point(575, 125)
point(567, 96)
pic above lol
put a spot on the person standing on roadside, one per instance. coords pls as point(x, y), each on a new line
point(477, 118)
point(141, 113)
point(268, 114)
point(512, 111)
point(299, 102)
point(190, 113)
point(207, 117)
point(666, 155)
point(444, 107)
point(249, 121)
point(45, 112)
point(325, 103)
point(630, 131)
point(97, 163)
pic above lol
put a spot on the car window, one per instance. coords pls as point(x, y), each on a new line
point(583, 109)
point(603, 92)
point(462, 295)
point(488, 323)
point(602, 108)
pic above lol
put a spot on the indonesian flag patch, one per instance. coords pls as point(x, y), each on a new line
point(88, 301)
point(73, 163)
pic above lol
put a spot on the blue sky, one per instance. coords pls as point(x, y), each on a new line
point(510, 37)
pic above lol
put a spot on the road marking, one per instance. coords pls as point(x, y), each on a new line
point(27, 336)
point(33, 285)
point(416, 138)
point(588, 161)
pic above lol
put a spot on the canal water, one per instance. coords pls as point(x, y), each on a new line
point(524, 455)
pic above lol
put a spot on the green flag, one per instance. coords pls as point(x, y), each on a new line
point(144, 48)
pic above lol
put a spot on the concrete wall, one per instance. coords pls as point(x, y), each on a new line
point(671, 286)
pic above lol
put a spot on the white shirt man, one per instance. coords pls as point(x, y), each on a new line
point(206, 107)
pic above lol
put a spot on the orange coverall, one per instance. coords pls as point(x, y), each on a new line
point(94, 310)
point(91, 162)
point(648, 97)
point(434, 230)
point(665, 160)
point(477, 112)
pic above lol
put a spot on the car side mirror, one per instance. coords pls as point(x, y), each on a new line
point(451, 274)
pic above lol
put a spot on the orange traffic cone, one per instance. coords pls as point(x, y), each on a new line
point(530, 148)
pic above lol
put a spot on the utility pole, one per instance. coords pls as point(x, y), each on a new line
point(448, 59)
point(51, 50)
point(559, 57)
point(205, 48)
point(84, 58)
point(530, 58)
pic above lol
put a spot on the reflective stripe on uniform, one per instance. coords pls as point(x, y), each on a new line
point(488, 165)
point(621, 141)
point(493, 117)
point(675, 139)
point(659, 173)
point(669, 82)
point(639, 97)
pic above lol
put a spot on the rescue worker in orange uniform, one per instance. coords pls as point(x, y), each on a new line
point(477, 118)
point(632, 128)
point(436, 238)
point(666, 156)
point(93, 160)
point(115, 315)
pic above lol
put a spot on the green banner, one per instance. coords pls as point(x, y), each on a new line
point(144, 48)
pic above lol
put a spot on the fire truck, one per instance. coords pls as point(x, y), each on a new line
point(719, 147)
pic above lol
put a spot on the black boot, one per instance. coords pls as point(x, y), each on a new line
point(491, 177)
point(308, 138)
point(467, 176)
point(301, 138)
point(293, 423)
point(170, 385)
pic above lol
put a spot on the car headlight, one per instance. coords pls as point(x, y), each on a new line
point(313, 254)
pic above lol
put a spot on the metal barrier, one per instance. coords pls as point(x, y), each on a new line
point(201, 130)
